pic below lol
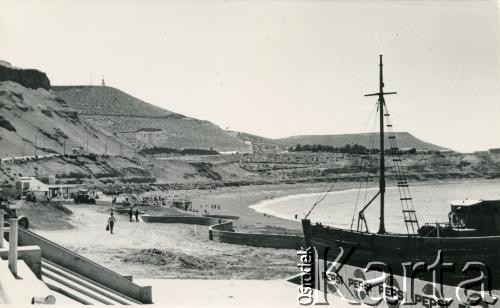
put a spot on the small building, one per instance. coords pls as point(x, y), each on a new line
point(33, 186)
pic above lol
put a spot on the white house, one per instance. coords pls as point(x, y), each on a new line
point(39, 189)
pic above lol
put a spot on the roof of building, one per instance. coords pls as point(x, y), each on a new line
point(61, 185)
point(465, 202)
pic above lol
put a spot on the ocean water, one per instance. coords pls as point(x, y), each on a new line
point(431, 202)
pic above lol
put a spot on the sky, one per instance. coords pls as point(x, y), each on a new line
point(278, 68)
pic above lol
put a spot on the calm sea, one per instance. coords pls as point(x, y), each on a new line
point(431, 201)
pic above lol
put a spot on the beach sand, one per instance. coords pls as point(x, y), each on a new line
point(236, 201)
point(173, 251)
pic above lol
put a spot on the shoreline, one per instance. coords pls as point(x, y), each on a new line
point(263, 206)
point(179, 251)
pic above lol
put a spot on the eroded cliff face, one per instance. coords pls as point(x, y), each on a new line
point(29, 78)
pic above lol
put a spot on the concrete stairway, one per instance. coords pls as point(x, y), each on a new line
point(21, 289)
point(79, 288)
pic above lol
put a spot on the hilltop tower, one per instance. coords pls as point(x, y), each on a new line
point(102, 82)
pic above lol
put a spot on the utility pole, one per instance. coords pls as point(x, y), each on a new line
point(64, 147)
point(35, 145)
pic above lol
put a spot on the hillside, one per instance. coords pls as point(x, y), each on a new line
point(107, 100)
point(403, 140)
point(294, 167)
point(94, 170)
point(30, 117)
point(142, 125)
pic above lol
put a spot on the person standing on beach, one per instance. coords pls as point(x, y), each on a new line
point(111, 222)
point(130, 214)
point(136, 215)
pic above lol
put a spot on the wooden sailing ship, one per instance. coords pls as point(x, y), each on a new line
point(472, 232)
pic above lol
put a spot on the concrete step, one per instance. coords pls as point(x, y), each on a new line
point(22, 289)
point(80, 290)
point(84, 285)
point(67, 292)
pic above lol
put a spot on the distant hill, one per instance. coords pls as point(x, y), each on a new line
point(107, 100)
point(143, 125)
point(403, 140)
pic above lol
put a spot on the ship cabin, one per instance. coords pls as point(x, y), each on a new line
point(480, 215)
point(467, 218)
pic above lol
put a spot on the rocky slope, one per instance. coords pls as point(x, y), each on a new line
point(321, 166)
point(38, 117)
point(99, 170)
point(143, 125)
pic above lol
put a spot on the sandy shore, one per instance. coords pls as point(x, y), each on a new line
point(183, 251)
point(147, 250)
point(236, 201)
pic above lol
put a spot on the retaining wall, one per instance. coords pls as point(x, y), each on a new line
point(83, 266)
point(223, 216)
point(222, 230)
point(224, 233)
point(189, 220)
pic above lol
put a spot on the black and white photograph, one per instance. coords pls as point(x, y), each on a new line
point(250, 153)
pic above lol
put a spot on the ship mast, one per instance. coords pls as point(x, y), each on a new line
point(381, 105)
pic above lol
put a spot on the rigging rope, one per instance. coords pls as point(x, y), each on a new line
point(365, 162)
point(322, 197)
point(408, 209)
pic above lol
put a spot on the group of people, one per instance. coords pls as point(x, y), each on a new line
point(154, 200)
point(215, 206)
point(112, 219)
point(212, 206)
point(132, 213)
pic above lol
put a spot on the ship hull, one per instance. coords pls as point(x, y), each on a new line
point(396, 249)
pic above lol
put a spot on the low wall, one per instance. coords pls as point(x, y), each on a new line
point(189, 220)
point(222, 230)
point(223, 226)
point(83, 266)
point(223, 216)
point(224, 233)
